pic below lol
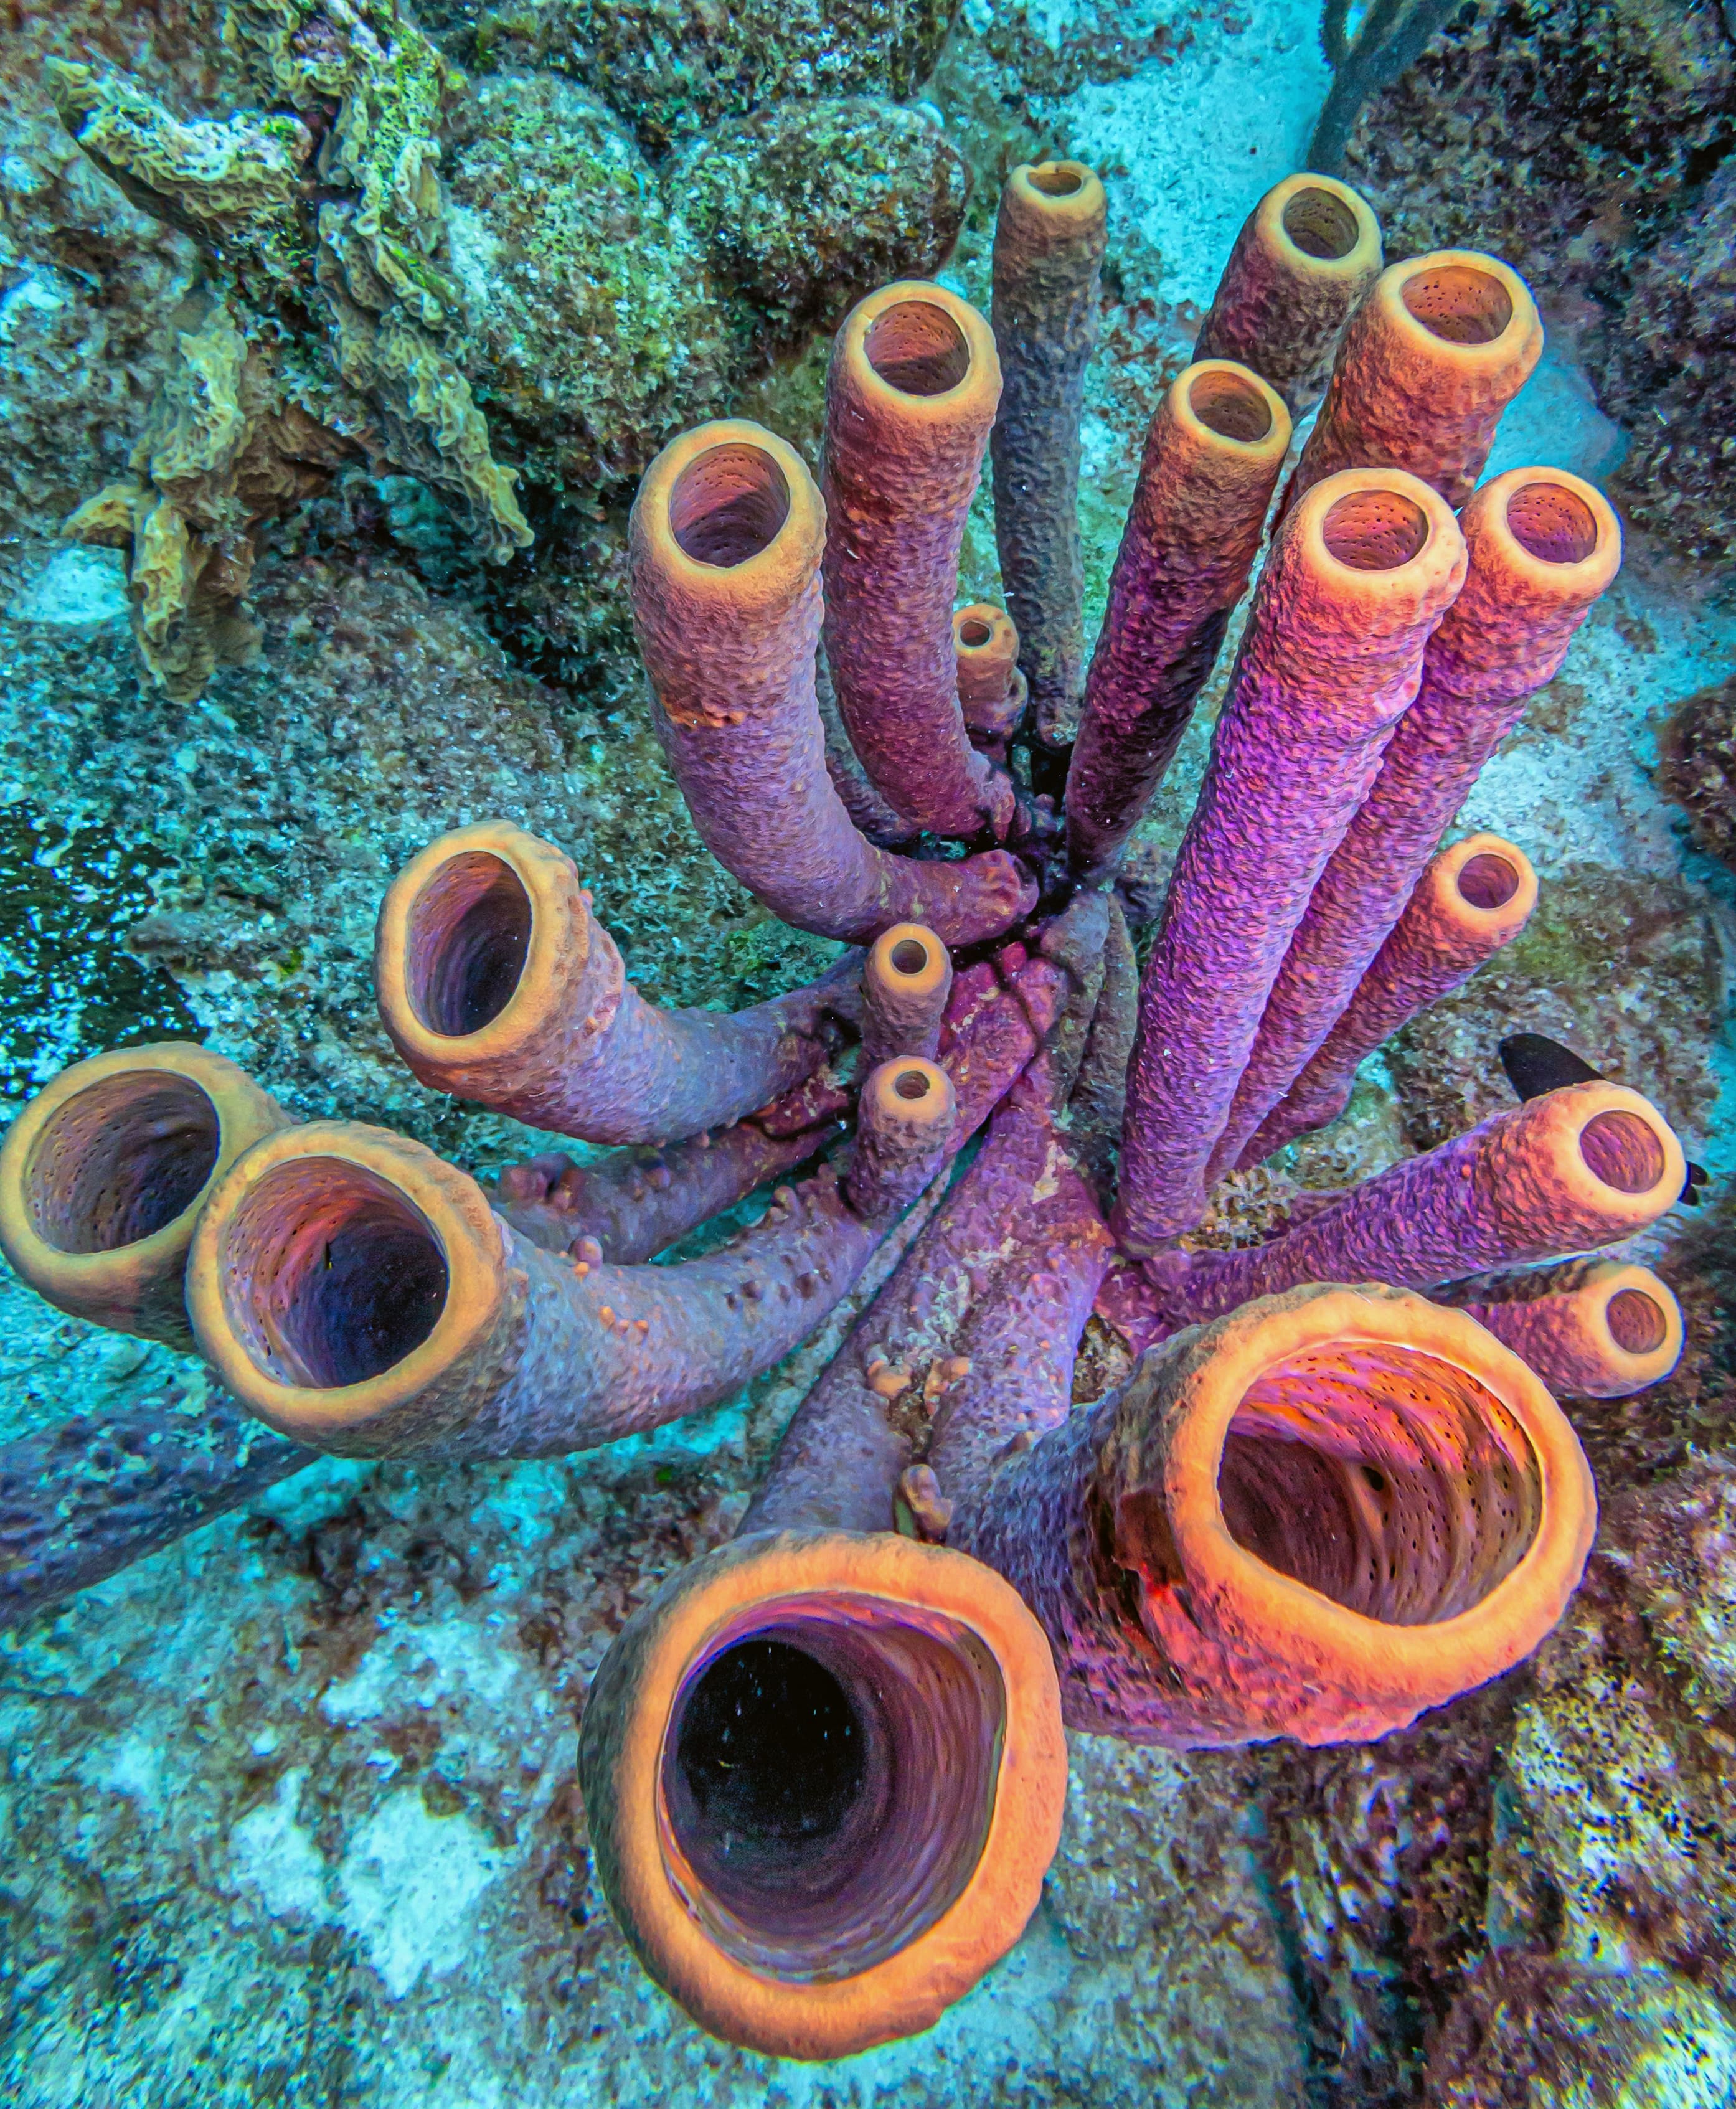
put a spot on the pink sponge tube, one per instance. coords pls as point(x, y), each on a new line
point(498, 984)
point(1314, 1518)
point(1563, 1173)
point(907, 983)
point(905, 1121)
point(909, 397)
point(992, 693)
point(972, 1341)
point(1049, 238)
point(1542, 546)
point(1012, 1380)
point(1438, 349)
point(635, 1203)
point(726, 539)
point(1590, 1328)
point(1473, 899)
point(358, 1291)
point(1211, 462)
point(1306, 254)
point(1360, 573)
point(359, 1295)
point(842, 1456)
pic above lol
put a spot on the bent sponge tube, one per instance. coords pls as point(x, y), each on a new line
point(1473, 899)
point(103, 1175)
point(498, 984)
point(910, 395)
point(725, 548)
point(1590, 1328)
point(1565, 1172)
point(358, 1294)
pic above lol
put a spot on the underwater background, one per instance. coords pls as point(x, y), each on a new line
point(290, 1809)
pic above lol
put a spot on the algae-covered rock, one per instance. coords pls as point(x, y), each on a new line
point(350, 234)
point(1583, 142)
point(1536, 2035)
point(1154, 1874)
point(1699, 766)
point(1669, 373)
point(1623, 1854)
point(269, 823)
point(1558, 135)
point(673, 67)
point(611, 305)
point(594, 328)
point(1374, 1863)
point(807, 206)
point(593, 307)
point(88, 281)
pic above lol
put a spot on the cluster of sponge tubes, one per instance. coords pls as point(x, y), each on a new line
point(823, 1768)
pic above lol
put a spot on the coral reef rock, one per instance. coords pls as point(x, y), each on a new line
point(674, 67)
point(1699, 767)
point(505, 248)
point(1589, 143)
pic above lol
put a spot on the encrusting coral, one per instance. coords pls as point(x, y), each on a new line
point(347, 222)
point(403, 270)
point(1335, 1490)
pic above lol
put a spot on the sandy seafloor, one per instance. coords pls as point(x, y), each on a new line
point(288, 1810)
